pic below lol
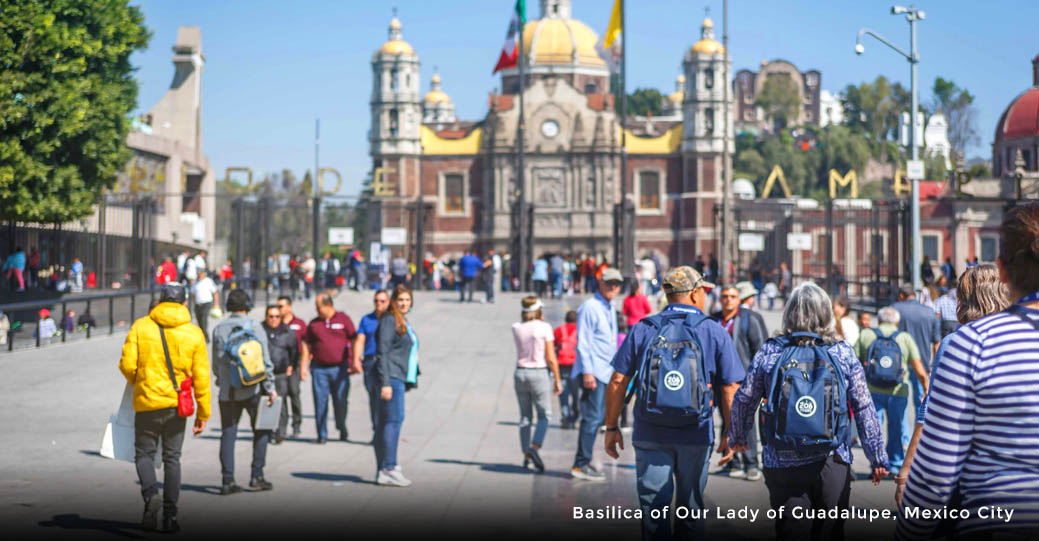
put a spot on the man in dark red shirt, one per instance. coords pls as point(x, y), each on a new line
point(299, 327)
point(328, 340)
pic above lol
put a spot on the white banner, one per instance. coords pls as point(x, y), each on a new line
point(751, 242)
point(394, 236)
point(798, 241)
point(340, 235)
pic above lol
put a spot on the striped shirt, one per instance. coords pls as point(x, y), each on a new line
point(982, 434)
point(945, 306)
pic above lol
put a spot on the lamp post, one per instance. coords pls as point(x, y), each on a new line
point(912, 16)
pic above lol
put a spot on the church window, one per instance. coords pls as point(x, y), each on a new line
point(454, 193)
point(649, 190)
point(989, 248)
point(394, 123)
point(394, 77)
point(708, 121)
point(708, 78)
point(812, 79)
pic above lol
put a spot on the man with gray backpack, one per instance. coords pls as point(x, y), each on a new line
point(886, 353)
point(244, 372)
point(682, 364)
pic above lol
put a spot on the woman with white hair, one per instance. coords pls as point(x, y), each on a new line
point(534, 389)
point(814, 477)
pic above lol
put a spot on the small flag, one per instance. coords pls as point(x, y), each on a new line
point(510, 51)
point(611, 47)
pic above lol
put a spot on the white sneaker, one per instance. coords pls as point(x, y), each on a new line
point(392, 478)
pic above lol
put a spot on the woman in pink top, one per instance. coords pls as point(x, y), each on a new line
point(636, 305)
point(534, 353)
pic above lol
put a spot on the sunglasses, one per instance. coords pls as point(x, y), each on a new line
point(273, 316)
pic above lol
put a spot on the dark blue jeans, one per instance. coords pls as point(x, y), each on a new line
point(371, 384)
point(230, 414)
point(334, 380)
point(666, 473)
point(592, 406)
point(388, 420)
point(568, 400)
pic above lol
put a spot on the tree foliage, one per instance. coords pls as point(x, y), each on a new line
point(645, 101)
point(780, 100)
point(960, 113)
point(66, 88)
point(874, 108)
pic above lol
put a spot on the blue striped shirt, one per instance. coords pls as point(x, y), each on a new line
point(982, 434)
point(945, 306)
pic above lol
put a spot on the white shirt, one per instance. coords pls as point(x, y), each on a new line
point(204, 290)
point(649, 269)
point(851, 330)
point(496, 262)
point(191, 269)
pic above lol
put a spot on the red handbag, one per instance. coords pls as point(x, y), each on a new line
point(185, 399)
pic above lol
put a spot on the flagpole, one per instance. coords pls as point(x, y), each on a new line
point(524, 242)
point(627, 255)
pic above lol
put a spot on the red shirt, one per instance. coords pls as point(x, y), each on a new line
point(226, 272)
point(566, 343)
point(167, 273)
point(330, 340)
point(636, 307)
point(299, 327)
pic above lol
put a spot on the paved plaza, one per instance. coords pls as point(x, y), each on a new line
point(460, 447)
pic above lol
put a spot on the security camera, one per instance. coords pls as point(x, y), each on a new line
point(898, 10)
point(859, 49)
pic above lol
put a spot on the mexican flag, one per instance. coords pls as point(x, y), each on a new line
point(510, 51)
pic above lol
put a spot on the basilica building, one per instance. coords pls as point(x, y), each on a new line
point(463, 173)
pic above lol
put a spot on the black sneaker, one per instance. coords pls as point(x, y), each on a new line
point(296, 432)
point(150, 521)
point(169, 522)
point(230, 488)
point(261, 484)
point(321, 441)
point(344, 435)
point(534, 457)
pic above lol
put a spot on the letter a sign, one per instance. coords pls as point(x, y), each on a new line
point(777, 173)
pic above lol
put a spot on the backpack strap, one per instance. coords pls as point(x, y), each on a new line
point(169, 362)
point(803, 334)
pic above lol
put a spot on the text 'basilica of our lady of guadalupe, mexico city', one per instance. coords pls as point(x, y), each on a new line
point(465, 172)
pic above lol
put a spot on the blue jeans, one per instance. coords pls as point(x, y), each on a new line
point(665, 472)
point(371, 384)
point(918, 388)
point(334, 380)
point(592, 412)
point(568, 405)
point(534, 394)
point(388, 420)
point(898, 430)
point(556, 279)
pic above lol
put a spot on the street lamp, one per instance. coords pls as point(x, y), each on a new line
point(912, 15)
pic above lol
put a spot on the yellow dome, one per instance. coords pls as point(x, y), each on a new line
point(436, 96)
point(395, 23)
point(707, 22)
point(397, 47)
point(680, 78)
point(555, 40)
point(676, 97)
point(708, 46)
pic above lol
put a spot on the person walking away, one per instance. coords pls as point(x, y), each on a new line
point(309, 267)
point(712, 267)
point(207, 297)
point(945, 309)
point(15, 265)
point(921, 324)
point(770, 292)
point(846, 326)
point(77, 275)
point(807, 459)
point(982, 443)
point(399, 271)
point(596, 346)
point(647, 275)
point(328, 340)
point(980, 293)
point(555, 275)
point(636, 305)
point(364, 350)
point(240, 343)
point(34, 267)
point(785, 278)
point(297, 371)
point(949, 272)
point(889, 355)
point(747, 329)
point(565, 342)
point(284, 352)
point(488, 276)
point(396, 369)
point(540, 276)
point(534, 384)
point(226, 272)
point(588, 267)
point(164, 353)
point(469, 267)
point(496, 266)
point(674, 428)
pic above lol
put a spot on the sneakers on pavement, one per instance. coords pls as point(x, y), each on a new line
point(230, 488)
point(261, 484)
point(392, 478)
point(588, 473)
point(733, 471)
point(150, 521)
point(535, 458)
point(753, 474)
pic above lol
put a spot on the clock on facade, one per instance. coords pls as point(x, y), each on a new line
point(550, 128)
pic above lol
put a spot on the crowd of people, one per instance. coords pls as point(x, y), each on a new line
point(29, 271)
point(789, 405)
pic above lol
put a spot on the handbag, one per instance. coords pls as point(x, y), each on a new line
point(185, 401)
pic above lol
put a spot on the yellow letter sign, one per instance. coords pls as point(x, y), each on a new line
point(777, 172)
point(850, 178)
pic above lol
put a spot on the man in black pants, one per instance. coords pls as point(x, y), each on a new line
point(161, 351)
point(285, 358)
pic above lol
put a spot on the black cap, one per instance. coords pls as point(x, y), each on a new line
point(173, 292)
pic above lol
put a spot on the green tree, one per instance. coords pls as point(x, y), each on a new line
point(66, 89)
point(643, 101)
point(960, 113)
point(780, 100)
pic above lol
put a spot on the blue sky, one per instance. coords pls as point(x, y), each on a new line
point(272, 67)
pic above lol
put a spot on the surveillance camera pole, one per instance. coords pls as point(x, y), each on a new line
point(912, 16)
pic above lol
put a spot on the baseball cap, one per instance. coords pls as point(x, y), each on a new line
point(683, 279)
point(173, 292)
point(612, 275)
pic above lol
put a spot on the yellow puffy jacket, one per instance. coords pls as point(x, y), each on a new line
point(144, 363)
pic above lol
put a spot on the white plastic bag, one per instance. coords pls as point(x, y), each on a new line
point(118, 441)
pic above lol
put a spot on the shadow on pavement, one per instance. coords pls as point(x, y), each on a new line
point(501, 468)
point(204, 489)
point(72, 521)
point(90, 452)
point(332, 477)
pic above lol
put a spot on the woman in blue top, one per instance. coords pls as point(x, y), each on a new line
point(396, 370)
point(810, 479)
point(540, 276)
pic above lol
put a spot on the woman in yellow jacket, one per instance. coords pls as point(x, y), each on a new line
point(155, 399)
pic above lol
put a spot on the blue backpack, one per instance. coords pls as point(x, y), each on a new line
point(245, 351)
point(806, 403)
point(884, 361)
point(671, 380)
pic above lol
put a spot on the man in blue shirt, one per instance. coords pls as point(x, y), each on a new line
point(922, 324)
point(469, 266)
point(672, 463)
point(364, 348)
point(596, 345)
